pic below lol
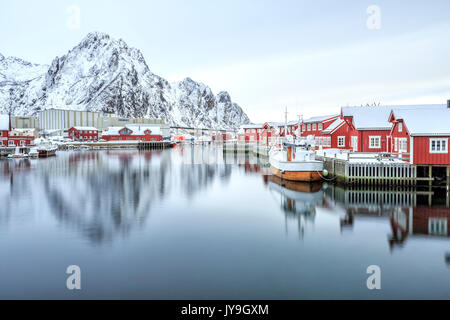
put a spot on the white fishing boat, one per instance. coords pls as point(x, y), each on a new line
point(295, 160)
point(17, 154)
point(33, 153)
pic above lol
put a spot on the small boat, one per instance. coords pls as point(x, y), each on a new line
point(47, 151)
point(17, 154)
point(33, 153)
point(296, 162)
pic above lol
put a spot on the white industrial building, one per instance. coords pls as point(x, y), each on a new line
point(63, 120)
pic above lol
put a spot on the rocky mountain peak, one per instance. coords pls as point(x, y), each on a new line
point(106, 75)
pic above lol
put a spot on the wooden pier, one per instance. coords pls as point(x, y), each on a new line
point(154, 145)
point(365, 169)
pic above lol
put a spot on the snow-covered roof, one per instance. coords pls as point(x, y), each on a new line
point(421, 122)
point(85, 128)
point(319, 118)
point(336, 123)
point(251, 126)
point(136, 130)
point(4, 122)
point(377, 117)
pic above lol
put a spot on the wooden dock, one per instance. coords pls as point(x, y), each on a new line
point(363, 169)
point(154, 145)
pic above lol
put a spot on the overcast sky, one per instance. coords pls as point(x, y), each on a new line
point(309, 56)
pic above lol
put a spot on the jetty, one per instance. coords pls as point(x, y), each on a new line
point(364, 169)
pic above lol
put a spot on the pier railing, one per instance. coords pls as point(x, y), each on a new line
point(365, 168)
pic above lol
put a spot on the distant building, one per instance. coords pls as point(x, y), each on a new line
point(133, 133)
point(22, 122)
point(59, 119)
point(16, 137)
point(4, 129)
point(83, 134)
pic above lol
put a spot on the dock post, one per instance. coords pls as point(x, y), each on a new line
point(430, 175)
point(448, 176)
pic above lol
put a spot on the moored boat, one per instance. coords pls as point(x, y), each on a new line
point(295, 162)
point(17, 154)
point(33, 153)
point(46, 151)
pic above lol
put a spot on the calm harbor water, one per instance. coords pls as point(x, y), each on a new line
point(171, 225)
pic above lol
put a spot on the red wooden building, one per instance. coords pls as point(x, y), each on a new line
point(13, 138)
point(250, 133)
point(315, 125)
point(423, 133)
point(133, 133)
point(4, 129)
point(83, 134)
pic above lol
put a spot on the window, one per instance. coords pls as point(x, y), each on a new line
point(11, 143)
point(402, 145)
point(329, 141)
point(314, 127)
point(309, 127)
point(374, 142)
point(354, 140)
point(341, 141)
point(400, 127)
point(320, 126)
point(22, 143)
point(438, 145)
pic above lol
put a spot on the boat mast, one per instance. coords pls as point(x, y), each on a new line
point(285, 123)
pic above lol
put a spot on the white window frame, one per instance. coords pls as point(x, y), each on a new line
point(376, 138)
point(400, 127)
point(354, 142)
point(339, 144)
point(402, 145)
point(314, 127)
point(23, 143)
point(439, 141)
point(308, 127)
point(11, 143)
point(320, 126)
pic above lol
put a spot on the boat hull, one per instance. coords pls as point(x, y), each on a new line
point(46, 153)
point(305, 176)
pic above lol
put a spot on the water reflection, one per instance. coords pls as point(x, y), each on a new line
point(198, 222)
point(106, 194)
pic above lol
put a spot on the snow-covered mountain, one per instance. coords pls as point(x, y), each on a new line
point(104, 74)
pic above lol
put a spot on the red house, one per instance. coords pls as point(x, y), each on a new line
point(83, 134)
point(315, 125)
point(423, 133)
point(4, 129)
point(250, 133)
point(133, 133)
point(335, 136)
point(13, 138)
point(270, 133)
